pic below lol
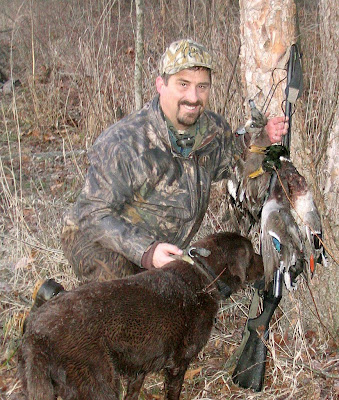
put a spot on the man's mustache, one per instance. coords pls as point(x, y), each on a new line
point(187, 103)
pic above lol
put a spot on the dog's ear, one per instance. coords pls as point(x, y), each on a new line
point(255, 269)
point(235, 283)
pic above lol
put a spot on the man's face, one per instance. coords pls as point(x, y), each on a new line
point(185, 96)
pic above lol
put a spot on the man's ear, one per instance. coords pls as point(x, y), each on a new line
point(159, 83)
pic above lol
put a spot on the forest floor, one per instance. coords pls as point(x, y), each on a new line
point(40, 176)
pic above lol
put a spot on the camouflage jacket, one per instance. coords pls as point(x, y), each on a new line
point(138, 190)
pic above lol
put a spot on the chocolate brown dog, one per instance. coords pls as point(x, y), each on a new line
point(78, 344)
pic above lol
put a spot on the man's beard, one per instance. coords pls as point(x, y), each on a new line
point(188, 119)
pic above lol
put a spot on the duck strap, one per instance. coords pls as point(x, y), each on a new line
point(271, 161)
point(293, 89)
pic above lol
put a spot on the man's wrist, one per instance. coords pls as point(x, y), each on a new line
point(147, 258)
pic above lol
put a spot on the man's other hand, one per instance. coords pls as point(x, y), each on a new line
point(276, 128)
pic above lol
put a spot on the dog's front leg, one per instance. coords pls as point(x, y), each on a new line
point(134, 386)
point(174, 378)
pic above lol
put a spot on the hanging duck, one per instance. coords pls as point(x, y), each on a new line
point(290, 222)
point(248, 195)
point(305, 213)
point(281, 242)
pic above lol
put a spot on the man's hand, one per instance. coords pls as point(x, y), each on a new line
point(276, 128)
point(162, 254)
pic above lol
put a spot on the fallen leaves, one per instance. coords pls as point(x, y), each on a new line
point(37, 134)
point(24, 262)
point(191, 373)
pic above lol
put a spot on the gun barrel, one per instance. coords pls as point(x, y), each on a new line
point(293, 88)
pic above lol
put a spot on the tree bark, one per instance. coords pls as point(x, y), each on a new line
point(267, 31)
point(329, 36)
point(139, 53)
point(317, 157)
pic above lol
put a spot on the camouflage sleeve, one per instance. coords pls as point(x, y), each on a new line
point(232, 154)
point(109, 185)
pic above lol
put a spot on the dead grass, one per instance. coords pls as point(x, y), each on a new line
point(75, 63)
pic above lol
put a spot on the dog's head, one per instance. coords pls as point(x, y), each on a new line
point(232, 259)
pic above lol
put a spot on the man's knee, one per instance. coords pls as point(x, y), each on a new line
point(91, 261)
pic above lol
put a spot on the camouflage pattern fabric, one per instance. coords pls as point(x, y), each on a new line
point(184, 54)
point(196, 133)
point(91, 261)
point(138, 190)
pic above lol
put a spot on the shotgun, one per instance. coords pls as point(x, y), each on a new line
point(293, 89)
point(250, 369)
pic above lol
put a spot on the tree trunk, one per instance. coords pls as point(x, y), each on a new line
point(139, 53)
point(329, 36)
point(267, 31)
point(317, 156)
point(329, 51)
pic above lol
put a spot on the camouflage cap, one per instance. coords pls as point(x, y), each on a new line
point(184, 54)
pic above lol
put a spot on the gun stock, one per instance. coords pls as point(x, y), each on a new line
point(250, 369)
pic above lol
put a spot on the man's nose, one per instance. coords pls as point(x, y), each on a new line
point(192, 94)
